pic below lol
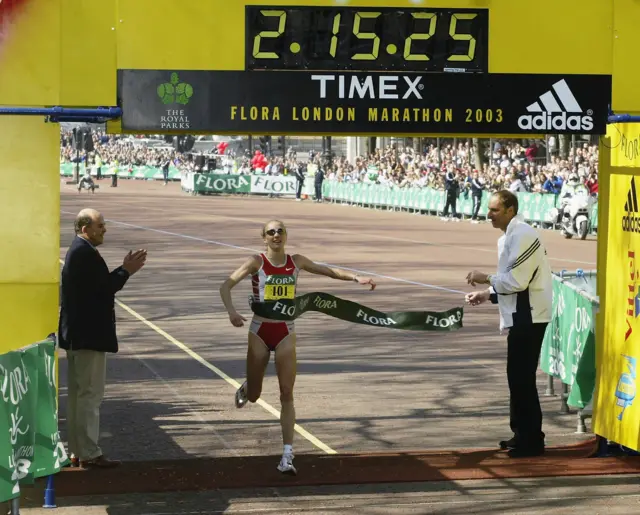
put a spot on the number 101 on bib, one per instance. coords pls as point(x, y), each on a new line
point(368, 39)
point(280, 287)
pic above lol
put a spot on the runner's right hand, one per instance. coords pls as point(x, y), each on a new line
point(237, 320)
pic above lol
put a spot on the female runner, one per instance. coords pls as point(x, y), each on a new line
point(274, 276)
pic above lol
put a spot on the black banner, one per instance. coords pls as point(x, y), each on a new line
point(281, 102)
point(288, 310)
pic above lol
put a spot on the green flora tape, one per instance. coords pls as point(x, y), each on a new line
point(288, 310)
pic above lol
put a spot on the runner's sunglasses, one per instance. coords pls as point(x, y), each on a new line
point(273, 232)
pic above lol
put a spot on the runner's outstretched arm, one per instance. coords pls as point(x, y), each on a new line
point(306, 264)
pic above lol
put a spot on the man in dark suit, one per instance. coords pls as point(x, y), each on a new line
point(87, 331)
point(319, 179)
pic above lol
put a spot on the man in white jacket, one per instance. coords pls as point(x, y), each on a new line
point(522, 288)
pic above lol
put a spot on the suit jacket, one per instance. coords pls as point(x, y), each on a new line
point(87, 299)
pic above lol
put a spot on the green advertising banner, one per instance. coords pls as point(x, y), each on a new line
point(23, 428)
point(221, 183)
point(19, 403)
point(30, 445)
point(49, 453)
point(235, 184)
point(9, 480)
point(568, 349)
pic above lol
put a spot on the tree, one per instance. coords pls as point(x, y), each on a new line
point(564, 143)
point(479, 151)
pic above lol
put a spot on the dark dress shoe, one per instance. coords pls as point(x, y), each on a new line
point(99, 462)
point(518, 441)
point(508, 444)
point(528, 451)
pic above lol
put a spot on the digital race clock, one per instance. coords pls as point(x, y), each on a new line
point(350, 38)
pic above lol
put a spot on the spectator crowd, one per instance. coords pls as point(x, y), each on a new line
point(450, 166)
point(508, 165)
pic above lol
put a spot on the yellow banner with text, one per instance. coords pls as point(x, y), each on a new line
point(618, 411)
point(625, 144)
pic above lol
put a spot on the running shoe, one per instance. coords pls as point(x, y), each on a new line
point(286, 465)
point(241, 396)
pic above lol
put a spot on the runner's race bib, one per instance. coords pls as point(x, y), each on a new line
point(280, 287)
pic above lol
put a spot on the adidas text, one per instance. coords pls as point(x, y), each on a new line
point(559, 122)
point(631, 223)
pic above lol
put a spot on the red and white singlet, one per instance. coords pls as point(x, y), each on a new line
point(275, 282)
point(272, 283)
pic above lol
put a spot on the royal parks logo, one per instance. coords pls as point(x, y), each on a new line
point(175, 93)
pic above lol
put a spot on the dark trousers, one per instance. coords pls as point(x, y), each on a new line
point(451, 201)
point(299, 186)
point(318, 190)
point(477, 199)
point(524, 344)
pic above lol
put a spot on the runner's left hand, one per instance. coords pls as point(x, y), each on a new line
point(366, 280)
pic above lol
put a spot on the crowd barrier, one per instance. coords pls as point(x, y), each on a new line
point(124, 172)
point(535, 207)
point(569, 349)
point(30, 445)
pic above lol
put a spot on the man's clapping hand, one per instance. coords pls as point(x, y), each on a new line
point(134, 261)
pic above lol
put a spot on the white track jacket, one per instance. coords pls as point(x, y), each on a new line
point(522, 287)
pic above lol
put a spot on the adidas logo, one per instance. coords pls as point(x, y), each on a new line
point(631, 206)
point(559, 100)
point(631, 223)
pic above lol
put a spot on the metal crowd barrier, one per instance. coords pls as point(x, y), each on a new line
point(564, 277)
